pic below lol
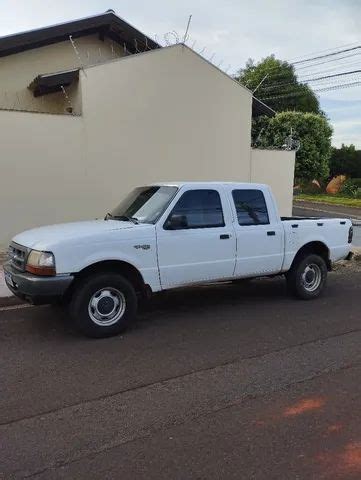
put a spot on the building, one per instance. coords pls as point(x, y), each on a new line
point(91, 108)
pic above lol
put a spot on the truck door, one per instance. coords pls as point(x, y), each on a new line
point(196, 241)
point(259, 241)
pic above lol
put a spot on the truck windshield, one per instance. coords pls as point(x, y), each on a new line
point(144, 204)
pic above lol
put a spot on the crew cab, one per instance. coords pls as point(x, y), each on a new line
point(167, 236)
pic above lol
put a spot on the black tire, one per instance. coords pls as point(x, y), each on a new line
point(113, 287)
point(307, 277)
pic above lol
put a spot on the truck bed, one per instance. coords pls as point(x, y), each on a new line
point(333, 232)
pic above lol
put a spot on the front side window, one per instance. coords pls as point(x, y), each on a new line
point(251, 207)
point(197, 209)
point(145, 204)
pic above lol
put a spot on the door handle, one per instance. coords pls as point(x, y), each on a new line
point(225, 236)
point(271, 233)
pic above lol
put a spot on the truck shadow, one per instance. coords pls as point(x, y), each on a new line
point(192, 304)
point(183, 303)
point(217, 295)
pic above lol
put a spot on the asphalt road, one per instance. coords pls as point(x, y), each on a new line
point(217, 382)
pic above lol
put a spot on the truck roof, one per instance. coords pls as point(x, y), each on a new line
point(213, 183)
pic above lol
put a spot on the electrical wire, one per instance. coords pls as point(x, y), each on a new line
point(309, 77)
point(327, 55)
point(334, 68)
point(316, 79)
point(327, 61)
point(322, 51)
point(328, 88)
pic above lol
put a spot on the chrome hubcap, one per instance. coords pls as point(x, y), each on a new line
point(106, 306)
point(312, 277)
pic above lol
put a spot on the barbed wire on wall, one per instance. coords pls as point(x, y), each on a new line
point(167, 39)
point(172, 37)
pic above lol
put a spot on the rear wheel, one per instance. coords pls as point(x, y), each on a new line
point(103, 305)
point(307, 277)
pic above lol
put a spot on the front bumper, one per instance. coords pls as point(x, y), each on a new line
point(35, 289)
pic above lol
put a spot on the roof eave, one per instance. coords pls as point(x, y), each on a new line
point(106, 24)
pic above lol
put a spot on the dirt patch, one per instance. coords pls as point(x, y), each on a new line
point(353, 265)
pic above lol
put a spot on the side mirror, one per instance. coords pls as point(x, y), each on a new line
point(176, 222)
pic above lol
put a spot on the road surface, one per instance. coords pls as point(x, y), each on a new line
point(217, 382)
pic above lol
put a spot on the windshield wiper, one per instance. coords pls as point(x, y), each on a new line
point(122, 218)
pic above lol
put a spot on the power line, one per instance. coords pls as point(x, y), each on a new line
point(336, 87)
point(304, 76)
point(311, 73)
point(322, 51)
point(328, 88)
point(327, 61)
point(319, 84)
point(327, 55)
point(303, 92)
point(310, 80)
point(289, 87)
point(308, 76)
point(276, 68)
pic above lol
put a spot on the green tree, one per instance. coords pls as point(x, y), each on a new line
point(275, 83)
point(346, 161)
point(314, 135)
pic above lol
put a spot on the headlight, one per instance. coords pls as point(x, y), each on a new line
point(41, 263)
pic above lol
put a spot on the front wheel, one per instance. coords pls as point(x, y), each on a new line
point(307, 277)
point(103, 305)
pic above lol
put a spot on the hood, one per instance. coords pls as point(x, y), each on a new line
point(43, 237)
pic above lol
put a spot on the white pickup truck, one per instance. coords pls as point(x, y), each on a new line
point(167, 236)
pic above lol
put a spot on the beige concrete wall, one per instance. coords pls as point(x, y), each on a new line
point(275, 168)
point(19, 70)
point(158, 116)
point(164, 115)
point(43, 174)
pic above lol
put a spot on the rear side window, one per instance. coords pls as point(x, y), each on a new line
point(251, 207)
point(200, 209)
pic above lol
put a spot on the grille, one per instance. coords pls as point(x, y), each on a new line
point(17, 256)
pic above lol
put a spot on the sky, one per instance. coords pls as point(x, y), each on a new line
point(230, 31)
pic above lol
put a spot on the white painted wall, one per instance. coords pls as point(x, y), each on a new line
point(275, 168)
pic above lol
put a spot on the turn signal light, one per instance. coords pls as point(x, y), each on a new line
point(46, 271)
point(41, 263)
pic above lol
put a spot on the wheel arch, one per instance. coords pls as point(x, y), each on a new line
point(316, 247)
point(129, 271)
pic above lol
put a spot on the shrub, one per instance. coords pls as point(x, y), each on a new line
point(309, 187)
point(312, 131)
point(346, 161)
point(352, 188)
point(356, 181)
